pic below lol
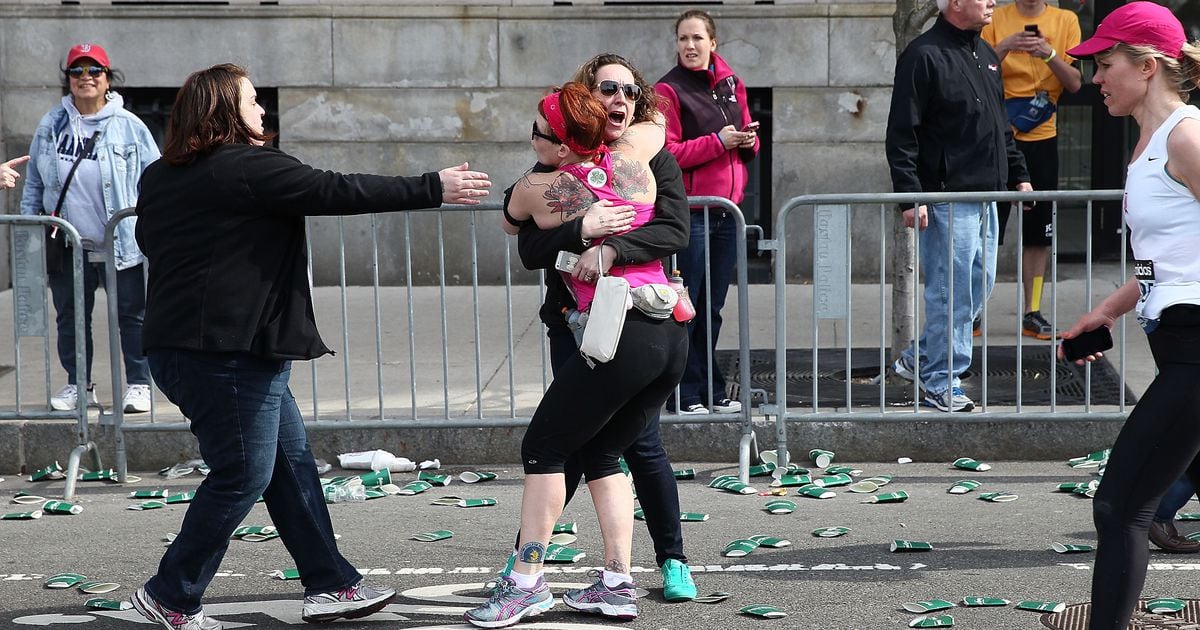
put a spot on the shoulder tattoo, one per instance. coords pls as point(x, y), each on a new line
point(630, 178)
point(568, 197)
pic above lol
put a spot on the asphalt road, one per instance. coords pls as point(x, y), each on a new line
point(850, 582)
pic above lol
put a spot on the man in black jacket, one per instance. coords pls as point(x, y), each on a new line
point(948, 132)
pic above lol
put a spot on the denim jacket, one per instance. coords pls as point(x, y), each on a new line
point(124, 148)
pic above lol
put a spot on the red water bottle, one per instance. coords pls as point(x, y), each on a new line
point(684, 311)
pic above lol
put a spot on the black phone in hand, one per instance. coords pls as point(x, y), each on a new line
point(1090, 342)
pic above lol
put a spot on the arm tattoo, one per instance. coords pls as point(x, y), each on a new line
point(629, 178)
point(616, 566)
point(532, 553)
point(568, 197)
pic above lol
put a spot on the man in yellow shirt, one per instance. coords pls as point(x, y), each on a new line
point(1031, 40)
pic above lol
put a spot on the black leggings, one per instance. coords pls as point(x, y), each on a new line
point(598, 412)
point(1158, 444)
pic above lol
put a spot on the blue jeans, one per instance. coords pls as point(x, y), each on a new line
point(252, 437)
point(131, 307)
point(721, 239)
point(973, 265)
point(1176, 497)
point(657, 490)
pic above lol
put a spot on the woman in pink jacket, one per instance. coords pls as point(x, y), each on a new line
point(710, 133)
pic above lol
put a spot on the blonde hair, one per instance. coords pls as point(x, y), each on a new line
point(1182, 74)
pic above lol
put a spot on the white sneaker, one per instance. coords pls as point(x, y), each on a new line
point(726, 405)
point(137, 399)
point(695, 409)
point(68, 396)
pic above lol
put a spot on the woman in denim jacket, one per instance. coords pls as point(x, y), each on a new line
point(105, 182)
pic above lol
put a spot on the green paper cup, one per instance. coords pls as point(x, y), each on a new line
point(1065, 548)
point(686, 473)
point(820, 457)
point(732, 485)
point(1091, 460)
point(842, 470)
point(254, 538)
point(639, 514)
point(910, 545)
point(880, 480)
point(964, 486)
point(739, 548)
point(158, 493)
point(61, 507)
point(773, 542)
point(998, 497)
point(28, 499)
point(780, 506)
point(376, 493)
point(472, 476)
point(559, 554)
point(1190, 516)
point(762, 470)
point(249, 530)
point(49, 473)
point(100, 603)
point(415, 487)
point(898, 496)
point(473, 503)
point(966, 463)
point(434, 478)
point(441, 534)
point(1072, 486)
point(712, 598)
point(21, 516)
point(769, 457)
point(1039, 606)
point(96, 587)
point(832, 481)
point(64, 580)
point(146, 505)
point(1085, 492)
point(565, 528)
point(376, 478)
point(765, 611)
point(286, 574)
point(792, 469)
point(863, 487)
point(932, 605)
point(99, 475)
point(692, 517)
point(933, 621)
point(984, 601)
point(182, 497)
point(816, 492)
point(789, 481)
point(830, 532)
point(1165, 605)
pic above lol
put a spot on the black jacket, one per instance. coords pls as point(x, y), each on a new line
point(665, 234)
point(947, 130)
point(224, 237)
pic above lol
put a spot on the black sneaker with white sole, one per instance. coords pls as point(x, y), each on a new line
point(726, 405)
point(351, 602)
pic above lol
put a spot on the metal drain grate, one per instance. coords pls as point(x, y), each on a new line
point(1075, 617)
point(864, 367)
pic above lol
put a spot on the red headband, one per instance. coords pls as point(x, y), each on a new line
point(554, 115)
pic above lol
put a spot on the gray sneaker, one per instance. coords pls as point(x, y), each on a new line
point(508, 603)
point(904, 369)
point(149, 608)
point(953, 399)
point(619, 602)
point(352, 602)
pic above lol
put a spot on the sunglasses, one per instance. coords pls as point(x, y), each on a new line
point(609, 88)
point(76, 72)
point(538, 134)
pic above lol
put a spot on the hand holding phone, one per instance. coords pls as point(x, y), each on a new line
point(1032, 29)
point(1090, 342)
point(751, 127)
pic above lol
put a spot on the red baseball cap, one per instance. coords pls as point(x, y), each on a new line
point(88, 51)
point(1137, 24)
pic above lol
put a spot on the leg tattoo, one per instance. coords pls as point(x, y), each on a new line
point(616, 566)
point(532, 553)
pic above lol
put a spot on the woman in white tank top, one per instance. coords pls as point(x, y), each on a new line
point(1145, 69)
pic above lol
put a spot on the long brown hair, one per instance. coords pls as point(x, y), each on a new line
point(207, 115)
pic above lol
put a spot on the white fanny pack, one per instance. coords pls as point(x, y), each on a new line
point(606, 319)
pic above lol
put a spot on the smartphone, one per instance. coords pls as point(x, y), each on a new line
point(1090, 342)
point(566, 261)
point(1032, 28)
point(750, 127)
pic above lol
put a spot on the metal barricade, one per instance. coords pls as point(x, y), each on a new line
point(833, 272)
point(30, 319)
point(429, 333)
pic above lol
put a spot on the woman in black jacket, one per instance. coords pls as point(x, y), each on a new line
point(221, 220)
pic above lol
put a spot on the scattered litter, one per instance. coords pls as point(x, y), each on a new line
point(431, 464)
point(561, 554)
point(904, 460)
point(566, 528)
point(774, 492)
point(1050, 607)
point(832, 481)
point(780, 506)
point(763, 610)
point(692, 517)
point(715, 597)
point(773, 542)
point(1065, 548)
point(61, 507)
point(21, 516)
point(50, 473)
point(964, 486)
point(286, 574)
point(1165, 605)
point(762, 470)
point(96, 587)
point(27, 499)
point(984, 601)
point(182, 497)
point(787, 481)
point(770, 457)
point(146, 505)
point(182, 469)
point(686, 473)
point(843, 470)
point(470, 503)
point(739, 548)
point(1187, 516)
point(375, 460)
point(910, 545)
point(938, 621)
point(100, 603)
point(732, 484)
point(1075, 486)
point(966, 463)
point(99, 475)
point(159, 493)
point(446, 500)
point(376, 478)
point(64, 580)
point(830, 532)
point(345, 493)
point(932, 605)
point(472, 476)
point(322, 466)
point(415, 487)
point(170, 538)
point(563, 539)
point(441, 534)
point(821, 457)
point(434, 478)
point(256, 533)
point(998, 497)
point(816, 492)
point(1091, 460)
point(898, 496)
point(880, 480)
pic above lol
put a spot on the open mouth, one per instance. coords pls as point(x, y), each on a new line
point(616, 117)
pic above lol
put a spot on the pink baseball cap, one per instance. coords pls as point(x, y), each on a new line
point(88, 51)
point(1137, 24)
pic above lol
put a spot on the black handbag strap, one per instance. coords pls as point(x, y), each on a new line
point(62, 195)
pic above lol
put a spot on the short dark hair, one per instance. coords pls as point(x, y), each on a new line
point(646, 109)
point(207, 115)
point(115, 77)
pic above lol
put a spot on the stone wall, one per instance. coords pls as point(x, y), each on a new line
point(405, 89)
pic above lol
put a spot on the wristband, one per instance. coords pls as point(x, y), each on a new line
point(1053, 54)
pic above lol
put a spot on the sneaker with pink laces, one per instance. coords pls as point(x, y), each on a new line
point(352, 602)
point(170, 619)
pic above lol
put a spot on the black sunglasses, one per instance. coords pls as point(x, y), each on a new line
point(92, 71)
point(631, 90)
point(538, 134)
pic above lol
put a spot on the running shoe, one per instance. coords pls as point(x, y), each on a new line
point(952, 399)
point(727, 405)
point(677, 581)
point(351, 602)
point(149, 608)
point(510, 603)
point(1036, 326)
point(619, 602)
